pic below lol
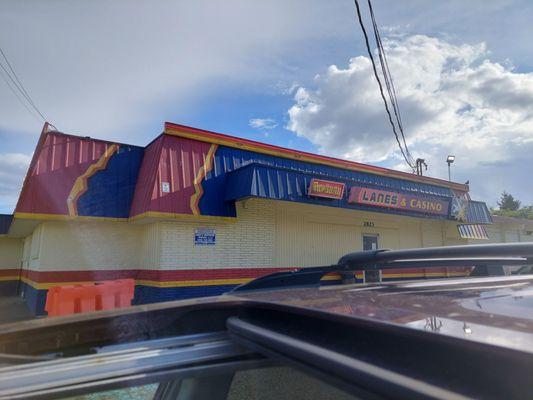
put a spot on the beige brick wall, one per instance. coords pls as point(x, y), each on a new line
point(10, 253)
point(266, 233)
point(89, 245)
point(248, 242)
point(309, 235)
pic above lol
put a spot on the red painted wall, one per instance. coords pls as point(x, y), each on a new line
point(176, 161)
point(60, 160)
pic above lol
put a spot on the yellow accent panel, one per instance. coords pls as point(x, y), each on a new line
point(202, 172)
point(61, 217)
point(301, 157)
point(9, 278)
point(48, 285)
point(80, 185)
point(208, 282)
point(149, 214)
point(331, 278)
point(189, 217)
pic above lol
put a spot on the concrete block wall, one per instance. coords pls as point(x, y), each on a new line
point(10, 263)
point(247, 242)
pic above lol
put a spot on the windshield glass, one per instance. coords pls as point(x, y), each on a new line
point(166, 165)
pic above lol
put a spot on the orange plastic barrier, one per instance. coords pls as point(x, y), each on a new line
point(75, 299)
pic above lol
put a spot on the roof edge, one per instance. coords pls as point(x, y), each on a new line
point(247, 144)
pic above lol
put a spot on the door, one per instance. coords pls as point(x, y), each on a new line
point(370, 242)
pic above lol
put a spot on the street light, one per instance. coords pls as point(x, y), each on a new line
point(450, 160)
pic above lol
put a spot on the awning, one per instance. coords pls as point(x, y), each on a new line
point(472, 232)
point(477, 213)
point(265, 181)
point(5, 223)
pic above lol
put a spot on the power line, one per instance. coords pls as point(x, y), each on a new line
point(32, 113)
point(388, 79)
point(11, 74)
point(407, 156)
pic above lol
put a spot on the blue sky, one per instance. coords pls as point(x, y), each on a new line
point(117, 70)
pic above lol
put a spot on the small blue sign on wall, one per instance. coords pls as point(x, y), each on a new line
point(204, 237)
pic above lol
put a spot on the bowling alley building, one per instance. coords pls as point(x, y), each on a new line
point(195, 213)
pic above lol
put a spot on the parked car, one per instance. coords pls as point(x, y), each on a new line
point(285, 336)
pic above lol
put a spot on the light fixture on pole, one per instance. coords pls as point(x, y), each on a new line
point(450, 160)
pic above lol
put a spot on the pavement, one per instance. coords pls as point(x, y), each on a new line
point(14, 309)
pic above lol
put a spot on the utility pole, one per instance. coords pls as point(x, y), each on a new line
point(419, 163)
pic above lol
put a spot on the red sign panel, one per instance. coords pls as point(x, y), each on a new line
point(327, 189)
point(382, 198)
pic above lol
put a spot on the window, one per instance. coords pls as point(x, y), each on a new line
point(271, 383)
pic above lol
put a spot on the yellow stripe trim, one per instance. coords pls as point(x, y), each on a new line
point(149, 214)
point(202, 172)
point(230, 142)
point(189, 217)
point(60, 217)
point(80, 184)
point(208, 282)
point(48, 285)
point(9, 278)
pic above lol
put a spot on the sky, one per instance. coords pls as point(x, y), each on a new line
point(290, 73)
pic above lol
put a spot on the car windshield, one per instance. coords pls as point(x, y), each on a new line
point(168, 166)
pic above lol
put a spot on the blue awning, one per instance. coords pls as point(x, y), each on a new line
point(5, 223)
point(477, 213)
point(263, 181)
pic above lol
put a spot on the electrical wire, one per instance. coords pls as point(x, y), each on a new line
point(389, 83)
point(13, 77)
point(405, 153)
point(17, 95)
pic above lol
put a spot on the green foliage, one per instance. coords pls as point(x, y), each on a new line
point(524, 212)
point(508, 202)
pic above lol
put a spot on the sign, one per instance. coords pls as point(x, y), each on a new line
point(204, 237)
point(459, 207)
point(382, 198)
point(368, 224)
point(165, 187)
point(327, 189)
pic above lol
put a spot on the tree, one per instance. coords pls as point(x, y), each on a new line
point(508, 202)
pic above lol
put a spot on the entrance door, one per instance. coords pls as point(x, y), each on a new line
point(370, 242)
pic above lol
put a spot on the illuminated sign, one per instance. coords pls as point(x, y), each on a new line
point(327, 189)
point(382, 198)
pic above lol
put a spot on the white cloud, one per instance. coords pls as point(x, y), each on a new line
point(453, 100)
point(113, 69)
point(263, 123)
point(13, 167)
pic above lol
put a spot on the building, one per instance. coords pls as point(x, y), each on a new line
point(195, 213)
point(509, 229)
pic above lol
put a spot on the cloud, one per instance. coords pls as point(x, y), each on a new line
point(13, 167)
point(453, 99)
point(263, 123)
point(111, 70)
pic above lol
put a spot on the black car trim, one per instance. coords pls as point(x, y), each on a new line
point(419, 364)
point(429, 257)
point(64, 374)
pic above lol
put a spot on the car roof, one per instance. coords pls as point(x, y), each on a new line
point(493, 310)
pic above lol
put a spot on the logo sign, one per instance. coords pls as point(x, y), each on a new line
point(205, 237)
point(327, 189)
point(382, 198)
point(459, 206)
